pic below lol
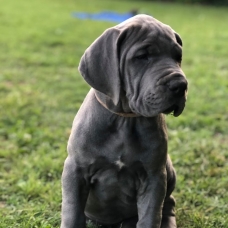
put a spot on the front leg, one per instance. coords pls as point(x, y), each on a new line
point(75, 191)
point(168, 212)
point(150, 200)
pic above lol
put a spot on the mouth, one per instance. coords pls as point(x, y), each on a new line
point(175, 109)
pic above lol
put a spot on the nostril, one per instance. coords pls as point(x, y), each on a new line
point(178, 87)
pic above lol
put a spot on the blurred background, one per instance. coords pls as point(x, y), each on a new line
point(41, 43)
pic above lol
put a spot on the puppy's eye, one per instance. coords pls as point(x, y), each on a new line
point(142, 57)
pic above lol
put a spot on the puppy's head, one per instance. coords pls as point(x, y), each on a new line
point(139, 61)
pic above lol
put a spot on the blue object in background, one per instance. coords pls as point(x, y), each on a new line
point(104, 16)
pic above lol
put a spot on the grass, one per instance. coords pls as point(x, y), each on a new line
point(41, 91)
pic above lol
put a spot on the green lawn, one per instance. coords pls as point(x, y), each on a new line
point(41, 90)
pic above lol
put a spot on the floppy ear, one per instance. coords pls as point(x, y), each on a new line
point(178, 39)
point(100, 64)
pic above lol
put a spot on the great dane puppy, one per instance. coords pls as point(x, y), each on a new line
point(118, 173)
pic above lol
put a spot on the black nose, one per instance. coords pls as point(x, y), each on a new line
point(178, 86)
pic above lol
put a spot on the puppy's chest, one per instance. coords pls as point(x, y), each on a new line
point(119, 154)
point(116, 180)
point(123, 143)
point(123, 150)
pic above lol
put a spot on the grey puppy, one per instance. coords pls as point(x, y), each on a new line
point(117, 172)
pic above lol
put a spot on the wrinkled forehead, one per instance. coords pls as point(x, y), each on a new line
point(144, 25)
point(143, 31)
